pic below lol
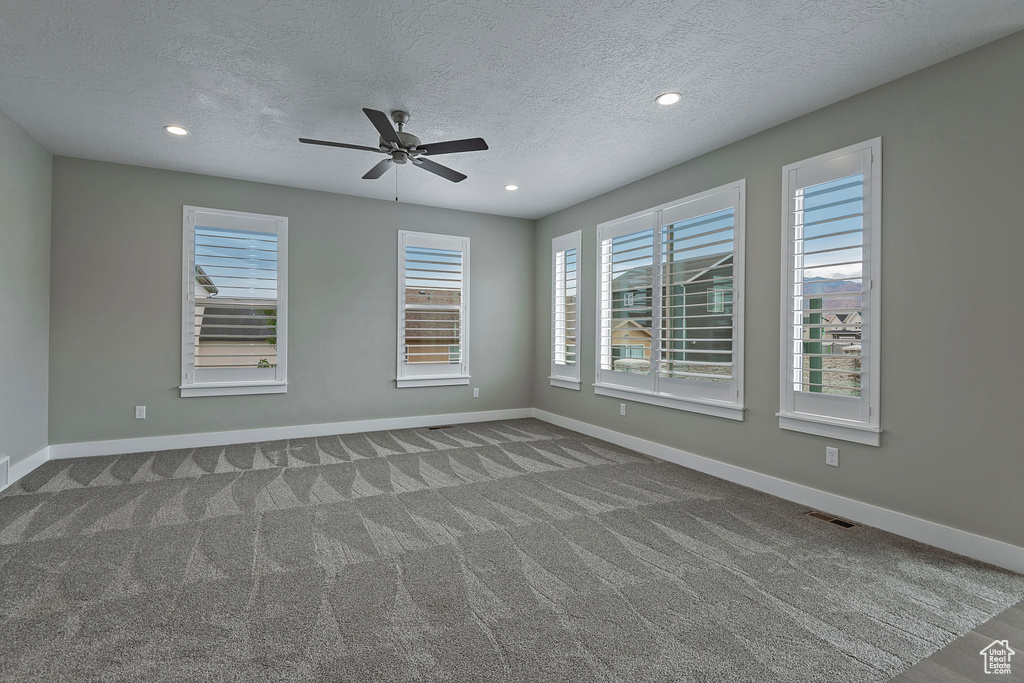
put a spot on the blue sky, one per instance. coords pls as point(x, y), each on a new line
point(441, 266)
point(241, 264)
point(696, 237)
point(829, 209)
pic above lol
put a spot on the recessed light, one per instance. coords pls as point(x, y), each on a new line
point(511, 188)
point(176, 130)
point(668, 98)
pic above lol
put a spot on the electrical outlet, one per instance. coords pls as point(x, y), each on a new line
point(622, 409)
point(832, 456)
point(140, 412)
point(476, 392)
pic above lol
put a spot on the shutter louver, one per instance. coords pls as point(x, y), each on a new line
point(565, 307)
point(235, 299)
point(626, 307)
point(827, 287)
point(695, 340)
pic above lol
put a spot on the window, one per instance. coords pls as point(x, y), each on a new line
point(634, 352)
point(433, 309)
point(670, 315)
point(831, 290)
point(565, 257)
point(235, 313)
point(720, 296)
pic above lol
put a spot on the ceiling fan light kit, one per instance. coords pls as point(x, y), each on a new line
point(402, 147)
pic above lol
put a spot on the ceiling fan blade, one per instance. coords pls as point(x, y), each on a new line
point(383, 125)
point(328, 143)
point(438, 169)
point(452, 146)
point(378, 170)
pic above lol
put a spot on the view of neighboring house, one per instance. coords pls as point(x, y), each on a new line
point(631, 312)
point(832, 350)
point(231, 331)
point(432, 335)
point(696, 306)
point(631, 346)
point(571, 325)
point(845, 330)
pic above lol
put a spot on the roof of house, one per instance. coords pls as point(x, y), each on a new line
point(640, 278)
point(204, 280)
point(629, 321)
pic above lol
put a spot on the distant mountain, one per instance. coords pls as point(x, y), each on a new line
point(822, 285)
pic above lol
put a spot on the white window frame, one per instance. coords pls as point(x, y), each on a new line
point(719, 400)
point(232, 381)
point(848, 418)
point(433, 375)
point(562, 374)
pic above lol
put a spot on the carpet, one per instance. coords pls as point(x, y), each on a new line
point(501, 551)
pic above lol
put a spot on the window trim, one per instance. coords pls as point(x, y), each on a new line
point(631, 387)
point(867, 430)
point(238, 220)
point(403, 379)
point(562, 375)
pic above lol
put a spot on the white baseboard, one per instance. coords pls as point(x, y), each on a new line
point(954, 540)
point(172, 441)
point(23, 467)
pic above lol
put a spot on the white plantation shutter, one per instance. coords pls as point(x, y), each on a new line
point(696, 339)
point(565, 250)
point(828, 283)
point(669, 311)
point(830, 293)
point(234, 334)
point(625, 307)
point(432, 309)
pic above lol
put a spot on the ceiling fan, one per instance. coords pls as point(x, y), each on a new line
point(402, 147)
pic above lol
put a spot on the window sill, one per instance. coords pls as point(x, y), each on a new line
point(234, 389)
point(565, 383)
point(730, 411)
point(844, 430)
point(410, 382)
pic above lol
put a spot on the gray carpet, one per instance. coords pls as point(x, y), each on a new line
point(504, 551)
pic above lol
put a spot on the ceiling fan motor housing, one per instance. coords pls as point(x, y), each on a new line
point(409, 142)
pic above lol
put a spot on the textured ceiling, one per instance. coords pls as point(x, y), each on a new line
point(562, 90)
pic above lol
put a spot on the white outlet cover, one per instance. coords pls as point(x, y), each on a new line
point(140, 412)
point(832, 456)
point(622, 409)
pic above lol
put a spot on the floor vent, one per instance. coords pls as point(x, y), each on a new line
point(5, 473)
point(441, 427)
point(830, 519)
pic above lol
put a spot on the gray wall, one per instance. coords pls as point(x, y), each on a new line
point(25, 177)
point(953, 274)
point(116, 306)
